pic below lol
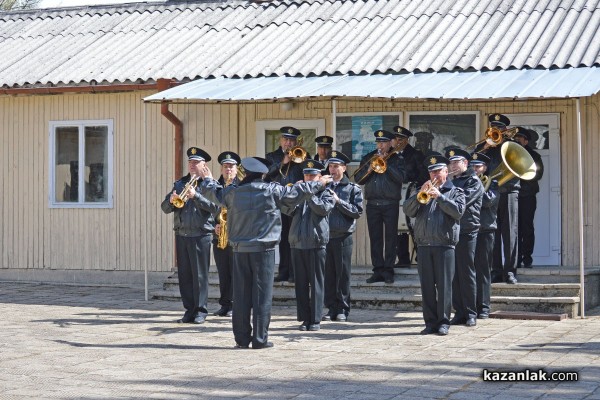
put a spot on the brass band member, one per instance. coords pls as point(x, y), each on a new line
point(254, 224)
point(415, 172)
point(309, 235)
point(464, 291)
point(436, 234)
point(342, 223)
point(224, 257)
point(193, 224)
point(485, 237)
point(383, 192)
point(528, 201)
point(284, 171)
point(508, 214)
point(324, 144)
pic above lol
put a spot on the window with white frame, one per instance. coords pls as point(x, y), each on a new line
point(81, 164)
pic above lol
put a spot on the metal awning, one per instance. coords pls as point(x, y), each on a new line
point(511, 84)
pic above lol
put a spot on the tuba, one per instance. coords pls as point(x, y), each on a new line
point(516, 163)
point(178, 200)
point(423, 196)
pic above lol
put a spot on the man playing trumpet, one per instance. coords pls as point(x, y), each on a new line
point(193, 224)
point(436, 232)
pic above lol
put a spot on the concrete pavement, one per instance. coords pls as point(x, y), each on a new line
point(78, 342)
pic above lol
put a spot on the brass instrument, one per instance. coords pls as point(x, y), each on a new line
point(495, 137)
point(222, 236)
point(516, 162)
point(377, 163)
point(484, 179)
point(423, 196)
point(180, 199)
point(297, 154)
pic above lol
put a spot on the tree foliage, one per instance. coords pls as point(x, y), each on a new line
point(6, 5)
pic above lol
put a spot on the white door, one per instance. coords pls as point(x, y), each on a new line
point(268, 133)
point(547, 222)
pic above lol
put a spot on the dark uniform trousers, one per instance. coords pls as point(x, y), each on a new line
point(464, 282)
point(527, 207)
point(337, 274)
point(224, 261)
point(309, 266)
point(382, 222)
point(286, 270)
point(252, 294)
point(193, 260)
point(436, 268)
point(404, 257)
point(506, 236)
point(483, 262)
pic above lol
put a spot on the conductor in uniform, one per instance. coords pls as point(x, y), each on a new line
point(436, 234)
point(284, 171)
point(464, 291)
point(342, 223)
point(193, 225)
point(383, 192)
point(254, 223)
point(415, 172)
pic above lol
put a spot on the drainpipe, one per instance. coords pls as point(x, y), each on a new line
point(164, 84)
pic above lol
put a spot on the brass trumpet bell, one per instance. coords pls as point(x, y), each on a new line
point(516, 162)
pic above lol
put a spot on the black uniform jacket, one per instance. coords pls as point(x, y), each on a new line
point(531, 187)
point(342, 219)
point(196, 216)
point(253, 210)
point(310, 222)
point(413, 163)
point(489, 209)
point(279, 172)
point(471, 185)
point(386, 188)
point(437, 222)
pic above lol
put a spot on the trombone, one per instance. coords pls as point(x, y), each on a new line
point(180, 199)
point(495, 137)
point(297, 154)
point(377, 163)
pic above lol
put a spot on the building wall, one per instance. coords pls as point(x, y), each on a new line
point(135, 234)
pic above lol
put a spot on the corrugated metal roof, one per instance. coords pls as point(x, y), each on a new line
point(186, 40)
point(513, 84)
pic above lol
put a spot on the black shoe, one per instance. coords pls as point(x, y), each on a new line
point(200, 318)
point(326, 317)
point(186, 319)
point(443, 330)
point(471, 322)
point(528, 265)
point(267, 345)
point(510, 278)
point(429, 331)
point(291, 279)
point(240, 346)
point(229, 313)
point(314, 327)
point(389, 279)
point(341, 317)
point(457, 321)
point(497, 279)
point(375, 278)
point(303, 327)
point(280, 278)
point(402, 264)
point(483, 315)
point(222, 312)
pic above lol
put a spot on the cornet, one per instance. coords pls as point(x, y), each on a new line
point(424, 197)
point(180, 199)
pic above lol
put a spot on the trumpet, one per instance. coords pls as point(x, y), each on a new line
point(484, 179)
point(495, 137)
point(424, 197)
point(180, 199)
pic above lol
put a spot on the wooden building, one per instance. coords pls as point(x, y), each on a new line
point(74, 79)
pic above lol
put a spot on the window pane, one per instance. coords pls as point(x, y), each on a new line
point(96, 165)
point(66, 170)
point(308, 140)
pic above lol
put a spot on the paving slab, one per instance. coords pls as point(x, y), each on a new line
point(78, 342)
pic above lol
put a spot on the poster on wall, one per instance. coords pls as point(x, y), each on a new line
point(355, 132)
point(438, 131)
